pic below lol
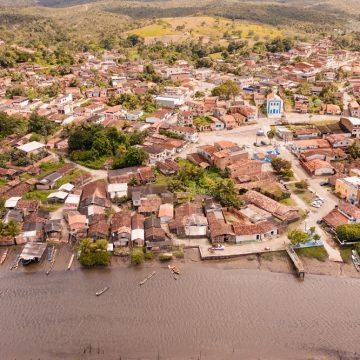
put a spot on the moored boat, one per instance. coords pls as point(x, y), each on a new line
point(356, 260)
point(147, 278)
point(3, 256)
point(100, 292)
point(174, 269)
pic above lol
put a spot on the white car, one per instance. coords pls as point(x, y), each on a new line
point(316, 204)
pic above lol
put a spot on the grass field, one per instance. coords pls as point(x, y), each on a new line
point(212, 28)
point(154, 30)
point(345, 253)
point(318, 253)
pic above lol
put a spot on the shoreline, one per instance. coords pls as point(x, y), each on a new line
point(269, 262)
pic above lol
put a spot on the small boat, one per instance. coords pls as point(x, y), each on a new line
point(49, 253)
point(174, 269)
point(147, 278)
point(100, 292)
point(3, 256)
point(71, 261)
point(355, 255)
point(356, 260)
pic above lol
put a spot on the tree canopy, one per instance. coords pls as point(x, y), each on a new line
point(89, 142)
point(298, 237)
point(348, 233)
point(12, 124)
point(94, 252)
point(282, 167)
point(41, 125)
point(227, 89)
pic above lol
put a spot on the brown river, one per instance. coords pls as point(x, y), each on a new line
point(208, 313)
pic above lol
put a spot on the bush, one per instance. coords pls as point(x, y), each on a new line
point(318, 253)
point(137, 256)
point(348, 233)
point(179, 254)
point(149, 255)
point(94, 253)
point(302, 185)
point(165, 257)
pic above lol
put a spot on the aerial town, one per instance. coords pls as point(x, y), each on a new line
point(144, 160)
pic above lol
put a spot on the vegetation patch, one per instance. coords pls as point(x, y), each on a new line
point(319, 253)
point(154, 30)
point(346, 253)
point(165, 257)
point(94, 253)
point(137, 256)
point(179, 253)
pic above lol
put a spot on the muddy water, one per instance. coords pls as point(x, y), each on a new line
point(208, 313)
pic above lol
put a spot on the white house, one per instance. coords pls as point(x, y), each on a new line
point(274, 105)
point(170, 101)
point(32, 147)
point(117, 190)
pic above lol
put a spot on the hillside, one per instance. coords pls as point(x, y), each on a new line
point(209, 29)
point(31, 21)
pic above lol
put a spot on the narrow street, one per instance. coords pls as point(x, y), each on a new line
point(330, 201)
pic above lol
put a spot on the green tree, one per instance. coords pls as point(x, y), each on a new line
point(298, 237)
point(41, 125)
point(132, 157)
point(328, 93)
point(102, 144)
point(94, 253)
point(137, 256)
point(226, 193)
point(302, 184)
point(354, 151)
point(228, 89)
point(134, 40)
point(271, 134)
point(280, 165)
point(348, 233)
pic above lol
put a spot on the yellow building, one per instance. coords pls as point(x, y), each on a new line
point(348, 188)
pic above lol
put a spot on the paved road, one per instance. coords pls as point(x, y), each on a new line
point(315, 214)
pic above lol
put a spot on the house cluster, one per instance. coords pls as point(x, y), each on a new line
point(346, 185)
point(245, 168)
point(319, 148)
point(259, 218)
point(31, 214)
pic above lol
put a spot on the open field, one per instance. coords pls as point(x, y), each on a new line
point(210, 28)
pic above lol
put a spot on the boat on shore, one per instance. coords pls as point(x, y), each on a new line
point(3, 256)
point(356, 260)
point(100, 292)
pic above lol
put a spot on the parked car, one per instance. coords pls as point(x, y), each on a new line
point(324, 183)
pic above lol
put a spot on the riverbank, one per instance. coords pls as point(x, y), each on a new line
point(277, 262)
